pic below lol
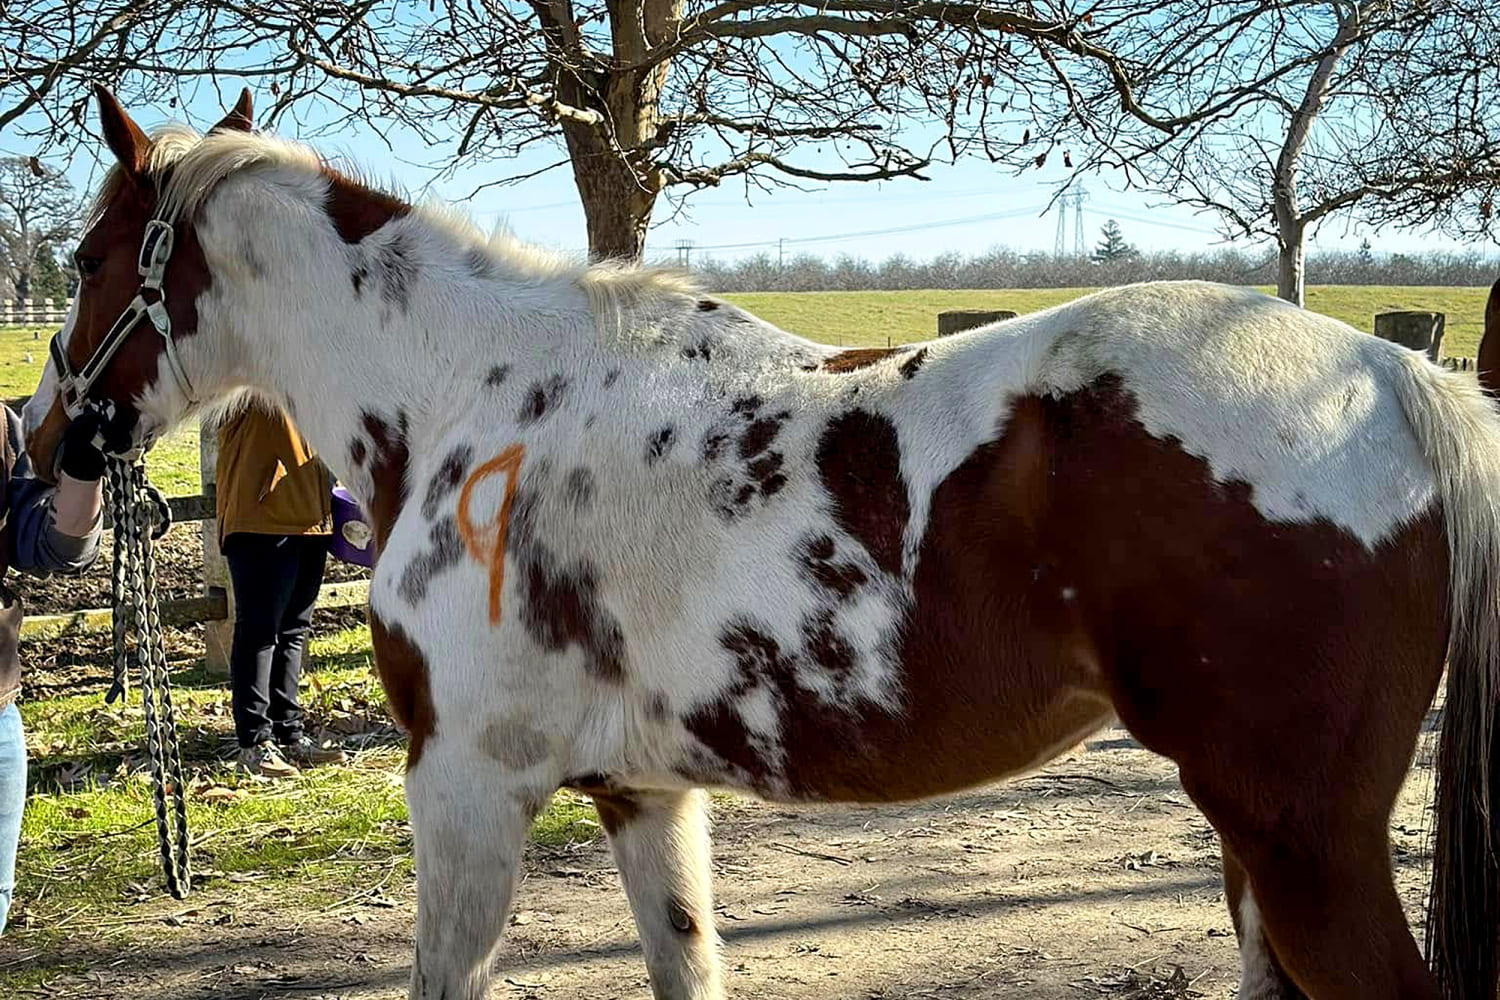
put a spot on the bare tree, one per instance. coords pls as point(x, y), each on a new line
point(640, 98)
point(1385, 115)
point(37, 208)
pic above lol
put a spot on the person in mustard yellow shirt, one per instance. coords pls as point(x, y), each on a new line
point(272, 502)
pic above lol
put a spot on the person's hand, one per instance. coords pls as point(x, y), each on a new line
point(98, 430)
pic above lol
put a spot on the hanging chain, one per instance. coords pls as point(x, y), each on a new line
point(137, 517)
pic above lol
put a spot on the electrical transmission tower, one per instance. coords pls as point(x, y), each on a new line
point(1074, 198)
point(684, 250)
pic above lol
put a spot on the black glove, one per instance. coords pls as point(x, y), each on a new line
point(100, 428)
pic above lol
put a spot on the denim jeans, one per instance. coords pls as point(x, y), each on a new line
point(12, 798)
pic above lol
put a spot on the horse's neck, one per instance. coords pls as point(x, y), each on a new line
point(357, 363)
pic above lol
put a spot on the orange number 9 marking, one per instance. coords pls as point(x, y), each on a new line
point(487, 544)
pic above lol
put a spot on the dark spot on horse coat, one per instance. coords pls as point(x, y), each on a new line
point(826, 646)
point(404, 677)
point(358, 452)
point(357, 277)
point(446, 549)
point(762, 468)
point(913, 364)
point(703, 349)
point(615, 805)
point(713, 445)
point(856, 358)
point(759, 435)
point(398, 271)
point(747, 405)
point(387, 471)
point(541, 399)
point(842, 578)
point(497, 376)
point(611, 377)
point(357, 211)
point(560, 603)
point(578, 488)
point(445, 481)
point(659, 444)
point(859, 460)
point(682, 920)
point(707, 305)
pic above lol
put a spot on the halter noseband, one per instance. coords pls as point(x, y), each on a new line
point(73, 387)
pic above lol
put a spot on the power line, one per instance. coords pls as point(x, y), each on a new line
point(861, 234)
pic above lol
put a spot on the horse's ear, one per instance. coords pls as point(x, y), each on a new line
point(1488, 361)
point(123, 136)
point(240, 118)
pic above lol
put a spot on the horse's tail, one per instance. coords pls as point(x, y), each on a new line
point(1488, 361)
point(1459, 431)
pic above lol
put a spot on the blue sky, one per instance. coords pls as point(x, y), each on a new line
point(967, 208)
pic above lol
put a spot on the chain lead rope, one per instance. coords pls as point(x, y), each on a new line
point(133, 589)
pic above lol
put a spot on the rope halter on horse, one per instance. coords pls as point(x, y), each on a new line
point(140, 516)
point(73, 387)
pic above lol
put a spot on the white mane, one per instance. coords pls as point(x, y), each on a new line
point(195, 166)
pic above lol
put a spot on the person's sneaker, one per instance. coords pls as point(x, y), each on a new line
point(265, 760)
point(308, 753)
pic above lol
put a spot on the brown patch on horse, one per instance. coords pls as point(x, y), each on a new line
point(913, 364)
point(563, 609)
point(1488, 361)
point(1077, 567)
point(404, 677)
point(387, 472)
point(859, 460)
point(616, 807)
point(856, 358)
point(357, 211)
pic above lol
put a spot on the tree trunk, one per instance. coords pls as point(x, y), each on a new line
point(616, 204)
point(1289, 279)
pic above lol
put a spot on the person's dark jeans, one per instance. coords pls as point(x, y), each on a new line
point(276, 580)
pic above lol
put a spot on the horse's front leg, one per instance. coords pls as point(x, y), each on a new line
point(470, 817)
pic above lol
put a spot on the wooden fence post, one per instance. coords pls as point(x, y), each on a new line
point(959, 320)
point(217, 636)
point(1421, 331)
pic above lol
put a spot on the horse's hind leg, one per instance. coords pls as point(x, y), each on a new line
point(660, 841)
point(470, 820)
point(1261, 975)
point(1330, 910)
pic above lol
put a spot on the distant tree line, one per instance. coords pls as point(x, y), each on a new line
point(1006, 268)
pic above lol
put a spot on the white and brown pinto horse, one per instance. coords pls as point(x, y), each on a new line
point(636, 541)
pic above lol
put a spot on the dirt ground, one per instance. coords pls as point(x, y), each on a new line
point(1093, 878)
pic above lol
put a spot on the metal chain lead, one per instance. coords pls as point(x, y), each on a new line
point(133, 585)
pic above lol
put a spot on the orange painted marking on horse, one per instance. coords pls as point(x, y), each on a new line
point(487, 545)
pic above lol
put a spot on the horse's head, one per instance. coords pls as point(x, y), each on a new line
point(140, 275)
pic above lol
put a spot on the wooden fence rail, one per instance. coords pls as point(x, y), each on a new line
point(33, 312)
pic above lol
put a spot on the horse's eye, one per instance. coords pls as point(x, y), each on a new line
point(87, 265)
